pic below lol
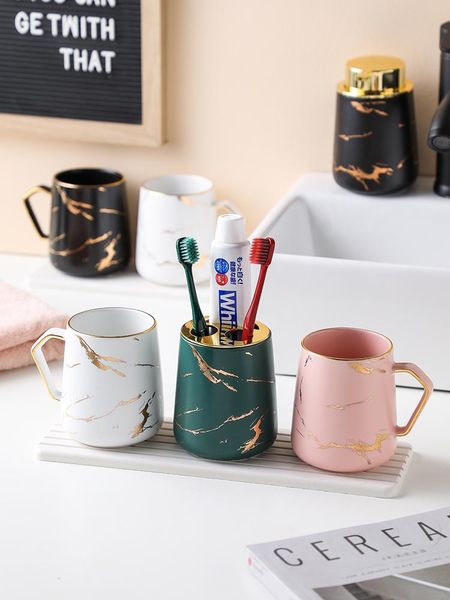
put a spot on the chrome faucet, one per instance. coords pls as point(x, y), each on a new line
point(439, 132)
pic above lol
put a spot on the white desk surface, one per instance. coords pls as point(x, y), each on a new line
point(69, 532)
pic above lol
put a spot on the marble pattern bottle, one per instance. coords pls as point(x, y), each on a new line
point(375, 146)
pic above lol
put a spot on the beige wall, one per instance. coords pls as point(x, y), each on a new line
point(250, 99)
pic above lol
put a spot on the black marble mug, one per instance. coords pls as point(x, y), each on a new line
point(89, 233)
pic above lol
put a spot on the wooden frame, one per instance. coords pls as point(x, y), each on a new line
point(149, 133)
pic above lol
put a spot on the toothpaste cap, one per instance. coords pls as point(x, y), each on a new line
point(230, 229)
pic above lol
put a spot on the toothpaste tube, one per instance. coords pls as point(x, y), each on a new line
point(230, 275)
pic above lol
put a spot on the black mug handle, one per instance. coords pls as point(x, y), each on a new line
point(26, 199)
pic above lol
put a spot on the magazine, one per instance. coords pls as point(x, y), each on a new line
point(402, 559)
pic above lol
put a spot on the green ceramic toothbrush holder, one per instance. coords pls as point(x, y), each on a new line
point(225, 404)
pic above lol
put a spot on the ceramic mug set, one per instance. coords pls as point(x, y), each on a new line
point(225, 406)
point(89, 232)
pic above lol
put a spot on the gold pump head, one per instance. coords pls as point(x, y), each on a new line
point(375, 76)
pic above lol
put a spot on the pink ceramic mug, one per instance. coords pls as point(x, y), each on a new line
point(345, 412)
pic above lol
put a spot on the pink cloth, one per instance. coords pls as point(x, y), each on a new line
point(23, 318)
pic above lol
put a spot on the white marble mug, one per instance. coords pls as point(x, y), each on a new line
point(173, 206)
point(111, 392)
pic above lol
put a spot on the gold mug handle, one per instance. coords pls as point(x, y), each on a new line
point(427, 385)
point(26, 198)
point(54, 333)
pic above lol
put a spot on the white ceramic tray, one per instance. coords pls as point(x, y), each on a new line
point(352, 260)
point(277, 466)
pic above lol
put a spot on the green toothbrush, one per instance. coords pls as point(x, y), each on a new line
point(188, 254)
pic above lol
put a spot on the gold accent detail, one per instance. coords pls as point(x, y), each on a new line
point(110, 249)
point(261, 334)
point(374, 76)
point(145, 414)
point(360, 448)
point(88, 242)
point(76, 207)
point(367, 109)
point(347, 136)
point(344, 406)
point(359, 368)
point(208, 371)
point(427, 391)
point(230, 419)
point(44, 340)
point(378, 357)
point(188, 412)
point(113, 409)
point(253, 441)
point(401, 163)
point(59, 237)
point(99, 360)
point(112, 337)
point(363, 176)
point(110, 211)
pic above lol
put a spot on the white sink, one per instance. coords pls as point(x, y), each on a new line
point(346, 259)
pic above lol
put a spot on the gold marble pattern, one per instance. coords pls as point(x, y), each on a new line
point(100, 361)
point(209, 371)
point(190, 411)
point(253, 441)
point(75, 206)
point(361, 448)
point(59, 237)
point(367, 108)
point(111, 211)
point(347, 137)
point(362, 176)
point(347, 405)
point(363, 370)
point(229, 419)
point(359, 368)
point(111, 250)
point(90, 418)
point(145, 415)
point(88, 242)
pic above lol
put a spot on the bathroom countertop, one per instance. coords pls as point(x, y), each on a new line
point(69, 531)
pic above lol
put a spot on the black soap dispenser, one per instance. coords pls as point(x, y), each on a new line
point(375, 145)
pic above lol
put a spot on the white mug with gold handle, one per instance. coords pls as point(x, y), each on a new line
point(111, 391)
point(170, 207)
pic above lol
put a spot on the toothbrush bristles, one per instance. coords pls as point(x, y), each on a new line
point(187, 250)
point(261, 251)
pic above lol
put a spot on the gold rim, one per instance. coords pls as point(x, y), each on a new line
point(391, 345)
point(111, 337)
point(92, 186)
point(260, 335)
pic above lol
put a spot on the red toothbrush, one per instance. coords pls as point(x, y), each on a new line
point(261, 253)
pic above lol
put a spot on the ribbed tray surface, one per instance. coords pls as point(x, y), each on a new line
point(277, 466)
